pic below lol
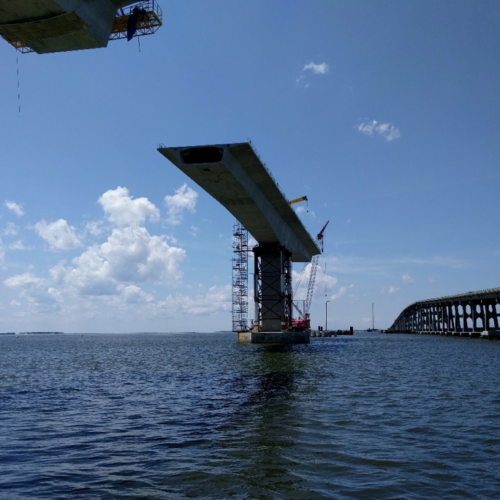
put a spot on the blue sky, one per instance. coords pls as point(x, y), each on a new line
point(386, 114)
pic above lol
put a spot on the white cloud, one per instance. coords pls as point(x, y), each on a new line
point(132, 294)
point(387, 130)
point(215, 299)
point(58, 234)
point(94, 228)
point(37, 292)
point(17, 245)
point(121, 209)
point(184, 199)
point(11, 229)
point(407, 279)
point(130, 255)
point(342, 291)
point(317, 69)
point(15, 207)
point(322, 283)
point(305, 211)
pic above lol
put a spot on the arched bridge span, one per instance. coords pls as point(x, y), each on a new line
point(472, 314)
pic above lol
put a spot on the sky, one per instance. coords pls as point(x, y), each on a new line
point(385, 114)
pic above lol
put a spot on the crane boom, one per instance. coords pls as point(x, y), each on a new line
point(298, 200)
point(312, 280)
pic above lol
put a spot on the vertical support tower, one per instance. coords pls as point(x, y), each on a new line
point(240, 278)
point(272, 287)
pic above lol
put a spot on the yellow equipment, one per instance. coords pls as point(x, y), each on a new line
point(298, 200)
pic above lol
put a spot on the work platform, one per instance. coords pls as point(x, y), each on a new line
point(273, 337)
point(47, 26)
point(236, 177)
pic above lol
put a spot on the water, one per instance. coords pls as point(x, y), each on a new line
point(200, 416)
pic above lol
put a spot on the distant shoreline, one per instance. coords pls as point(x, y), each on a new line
point(41, 333)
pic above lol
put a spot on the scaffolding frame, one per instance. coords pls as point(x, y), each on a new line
point(147, 24)
point(273, 285)
point(240, 278)
point(19, 35)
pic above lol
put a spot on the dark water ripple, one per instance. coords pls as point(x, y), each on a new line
point(200, 416)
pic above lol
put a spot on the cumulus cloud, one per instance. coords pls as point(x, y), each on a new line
point(58, 234)
point(94, 228)
point(123, 210)
point(130, 255)
point(37, 292)
point(17, 245)
point(184, 199)
point(387, 130)
point(11, 230)
point(407, 279)
point(342, 291)
point(322, 282)
point(15, 207)
point(304, 211)
point(132, 294)
point(390, 289)
point(215, 299)
point(317, 69)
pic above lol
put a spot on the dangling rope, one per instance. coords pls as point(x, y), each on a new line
point(18, 86)
point(139, 42)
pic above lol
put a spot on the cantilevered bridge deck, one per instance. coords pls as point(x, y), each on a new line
point(471, 314)
point(236, 177)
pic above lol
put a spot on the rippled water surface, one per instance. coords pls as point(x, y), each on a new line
point(200, 416)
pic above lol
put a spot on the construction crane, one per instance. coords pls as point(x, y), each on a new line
point(305, 321)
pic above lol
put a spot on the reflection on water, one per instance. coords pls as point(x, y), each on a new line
point(201, 416)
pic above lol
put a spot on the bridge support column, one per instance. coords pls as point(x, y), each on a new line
point(273, 298)
point(272, 288)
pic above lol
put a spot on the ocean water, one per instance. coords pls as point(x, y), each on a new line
point(178, 416)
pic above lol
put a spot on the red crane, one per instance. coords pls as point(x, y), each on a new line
point(305, 321)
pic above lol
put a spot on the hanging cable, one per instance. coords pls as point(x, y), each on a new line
point(18, 86)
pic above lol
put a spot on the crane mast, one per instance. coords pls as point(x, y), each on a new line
point(305, 321)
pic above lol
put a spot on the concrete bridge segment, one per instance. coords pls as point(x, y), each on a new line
point(236, 177)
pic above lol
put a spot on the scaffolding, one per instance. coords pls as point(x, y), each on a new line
point(240, 278)
point(148, 22)
point(20, 35)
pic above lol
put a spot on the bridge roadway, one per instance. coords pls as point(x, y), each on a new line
point(236, 177)
point(472, 314)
